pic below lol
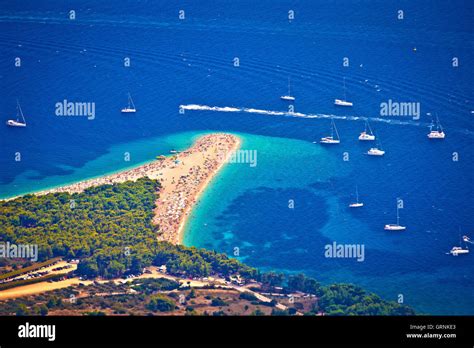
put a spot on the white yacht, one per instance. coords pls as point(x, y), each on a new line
point(343, 102)
point(357, 204)
point(458, 250)
point(438, 133)
point(367, 134)
point(17, 122)
point(288, 97)
point(375, 152)
point(331, 139)
point(395, 227)
point(131, 107)
point(455, 251)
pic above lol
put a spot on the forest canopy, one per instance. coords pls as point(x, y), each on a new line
point(109, 228)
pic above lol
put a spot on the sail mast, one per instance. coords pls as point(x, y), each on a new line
point(370, 129)
point(344, 82)
point(20, 112)
point(335, 129)
point(439, 127)
point(130, 101)
point(17, 111)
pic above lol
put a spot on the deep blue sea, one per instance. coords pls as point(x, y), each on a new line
point(191, 61)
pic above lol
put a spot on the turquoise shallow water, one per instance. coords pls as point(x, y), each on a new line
point(278, 165)
point(281, 213)
point(190, 61)
point(114, 160)
point(247, 210)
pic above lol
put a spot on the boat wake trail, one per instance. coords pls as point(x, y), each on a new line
point(198, 107)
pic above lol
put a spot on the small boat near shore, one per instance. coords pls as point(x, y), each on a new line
point(438, 133)
point(395, 227)
point(130, 109)
point(331, 139)
point(459, 250)
point(343, 102)
point(373, 151)
point(19, 114)
point(376, 151)
point(357, 204)
point(288, 97)
point(456, 251)
point(367, 134)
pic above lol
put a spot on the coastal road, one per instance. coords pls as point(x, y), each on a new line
point(41, 287)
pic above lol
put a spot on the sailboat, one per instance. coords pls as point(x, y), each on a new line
point(395, 227)
point(367, 136)
point(288, 97)
point(343, 102)
point(331, 139)
point(131, 107)
point(455, 251)
point(438, 133)
point(17, 122)
point(357, 204)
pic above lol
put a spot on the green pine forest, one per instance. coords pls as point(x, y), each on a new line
point(109, 228)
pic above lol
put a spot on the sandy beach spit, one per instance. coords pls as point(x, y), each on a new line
point(183, 177)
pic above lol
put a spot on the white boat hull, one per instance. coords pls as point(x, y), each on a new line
point(287, 97)
point(128, 111)
point(459, 252)
point(455, 251)
point(13, 123)
point(340, 102)
point(356, 205)
point(366, 137)
point(394, 228)
point(375, 152)
point(329, 141)
point(436, 135)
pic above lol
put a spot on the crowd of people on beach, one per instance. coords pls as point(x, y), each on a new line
point(183, 176)
point(175, 204)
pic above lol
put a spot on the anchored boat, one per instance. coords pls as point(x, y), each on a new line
point(131, 106)
point(395, 227)
point(343, 102)
point(459, 250)
point(367, 134)
point(19, 114)
point(288, 97)
point(357, 204)
point(438, 133)
point(331, 139)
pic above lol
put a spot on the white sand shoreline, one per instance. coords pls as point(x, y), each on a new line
point(183, 177)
